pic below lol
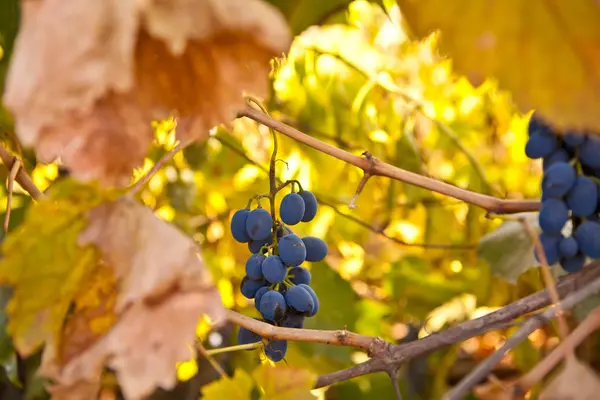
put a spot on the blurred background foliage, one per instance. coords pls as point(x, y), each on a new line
point(403, 263)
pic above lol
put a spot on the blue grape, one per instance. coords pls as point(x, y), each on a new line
point(573, 264)
point(300, 275)
point(259, 294)
point(258, 224)
point(292, 320)
point(558, 179)
point(568, 247)
point(246, 336)
point(582, 199)
point(255, 245)
point(272, 305)
point(314, 297)
point(273, 269)
point(554, 214)
point(316, 249)
point(573, 139)
point(292, 208)
point(310, 205)
point(275, 350)
point(559, 155)
point(254, 266)
point(588, 238)
point(588, 153)
point(541, 143)
point(249, 287)
point(292, 250)
point(550, 243)
point(536, 126)
point(238, 225)
point(298, 299)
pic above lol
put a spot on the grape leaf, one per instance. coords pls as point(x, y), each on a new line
point(519, 43)
point(562, 387)
point(509, 249)
point(303, 13)
point(113, 69)
point(238, 387)
point(161, 288)
point(44, 265)
point(285, 383)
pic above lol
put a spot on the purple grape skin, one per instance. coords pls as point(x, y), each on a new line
point(292, 250)
point(573, 264)
point(275, 350)
point(291, 209)
point(588, 238)
point(310, 205)
point(254, 266)
point(568, 247)
point(272, 306)
point(553, 216)
point(273, 269)
point(299, 300)
point(258, 224)
point(238, 226)
point(550, 243)
point(558, 179)
point(249, 287)
point(301, 275)
point(316, 249)
point(314, 297)
point(582, 199)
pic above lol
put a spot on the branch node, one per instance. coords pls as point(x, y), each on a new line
point(367, 175)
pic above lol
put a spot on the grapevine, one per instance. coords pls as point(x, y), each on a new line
point(570, 193)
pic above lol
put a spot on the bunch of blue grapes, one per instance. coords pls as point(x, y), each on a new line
point(275, 277)
point(570, 191)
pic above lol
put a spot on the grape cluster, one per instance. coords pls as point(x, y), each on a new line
point(570, 191)
point(275, 278)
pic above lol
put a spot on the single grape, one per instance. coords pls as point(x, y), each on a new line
point(254, 246)
point(588, 238)
point(550, 243)
point(292, 250)
point(582, 199)
point(275, 350)
point(541, 145)
point(310, 205)
point(292, 208)
point(558, 179)
point(559, 155)
point(292, 320)
point(536, 126)
point(554, 214)
point(246, 336)
point(254, 266)
point(568, 247)
point(238, 225)
point(573, 264)
point(272, 306)
point(259, 294)
point(573, 139)
point(300, 275)
point(299, 300)
point(249, 287)
point(588, 153)
point(316, 249)
point(258, 224)
point(314, 297)
point(273, 269)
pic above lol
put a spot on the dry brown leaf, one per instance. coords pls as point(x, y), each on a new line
point(576, 381)
point(86, 78)
point(163, 289)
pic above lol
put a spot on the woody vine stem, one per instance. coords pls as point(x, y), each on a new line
point(387, 357)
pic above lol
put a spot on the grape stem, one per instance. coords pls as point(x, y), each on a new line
point(272, 177)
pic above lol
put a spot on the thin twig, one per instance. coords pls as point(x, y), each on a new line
point(393, 374)
point(217, 367)
point(489, 203)
point(22, 177)
point(484, 368)
point(367, 175)
point(136, 187)
point(239, 347)
point(583, 330)
point(11, 180)
point(563, 328)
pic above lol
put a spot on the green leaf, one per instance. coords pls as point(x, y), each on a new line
point(509, 249)
point(285, 383)
point(519, 43)
point(303, 13)
point(238, 387)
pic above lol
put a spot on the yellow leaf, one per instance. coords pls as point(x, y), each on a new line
point(239, 387)
point(92, 95)
point(547, 53)
point(285, 383)
point(44, 265)
point(162, 290)
point(576, 381)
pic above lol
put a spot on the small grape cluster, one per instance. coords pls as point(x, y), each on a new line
point(570, 190)
point(275, 278)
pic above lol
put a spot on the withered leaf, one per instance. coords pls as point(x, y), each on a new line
point(576, 381)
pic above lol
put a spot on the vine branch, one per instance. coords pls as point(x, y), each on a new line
point(21, 175)
point(380, 168)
